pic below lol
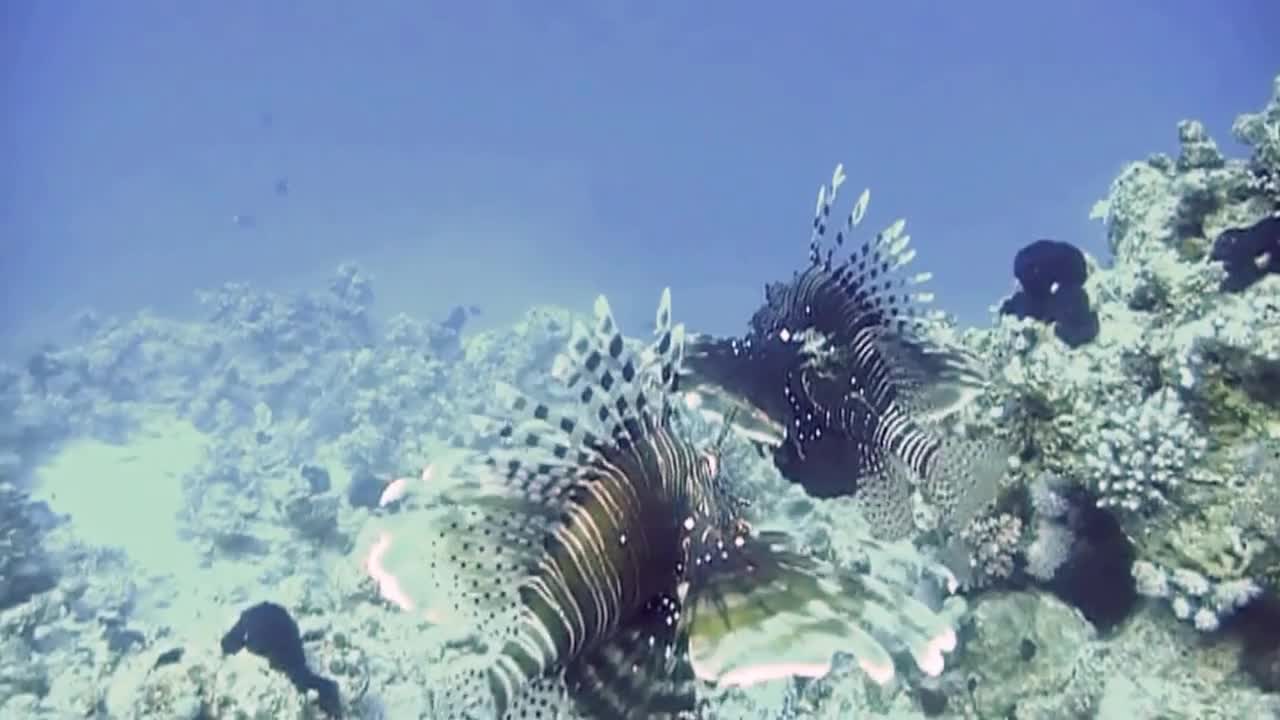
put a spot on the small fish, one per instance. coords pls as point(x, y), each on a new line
point(269, 631)
point(397, 489)
point(607, 562)
point(835, 357)
point(168, 657)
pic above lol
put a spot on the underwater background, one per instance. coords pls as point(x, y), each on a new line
point(265, 263)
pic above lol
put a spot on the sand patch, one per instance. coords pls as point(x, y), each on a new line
point(128, 496)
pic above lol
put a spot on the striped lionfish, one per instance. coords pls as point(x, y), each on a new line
point(835, 379)
point(606, 562)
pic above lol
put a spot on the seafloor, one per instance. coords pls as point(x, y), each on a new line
point(160, 476)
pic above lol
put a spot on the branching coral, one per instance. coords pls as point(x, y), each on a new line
point(1053, 536)
point(1261, 131)
point(1143, 452)
point(1193, 597)
point(994, 542)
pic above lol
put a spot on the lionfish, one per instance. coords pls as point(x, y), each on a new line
point(607, 563)
point(837, 381)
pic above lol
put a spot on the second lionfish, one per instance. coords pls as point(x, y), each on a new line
point(839, 380)
point(606, 564)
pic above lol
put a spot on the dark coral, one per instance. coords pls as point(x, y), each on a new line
point(365, 489)
point(270, 632)
point(317, 478)
point(1097, 577)
point(1248, 254)
point(26, 569)
point(446, 338)
point(1043, 263)
point(1258, 625)
point(1052, 276)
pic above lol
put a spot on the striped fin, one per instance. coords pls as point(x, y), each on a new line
point(932, 382)
point(778, 613)
point(867, 290)
point(618, 387)
point(598, 481)
point(614, 390)
point(643, 671)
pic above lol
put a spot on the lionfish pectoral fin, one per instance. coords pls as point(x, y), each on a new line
point(643, 671)
point(467, 694)
point(545, 698)
point(965, 478)
point(883, 495)
point(463, 694)
point(932, 381)
point(460, 567)
point(789, 615)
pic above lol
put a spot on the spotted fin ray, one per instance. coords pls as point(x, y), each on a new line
point(613, 388)
point(601, 484)
point(543, 698)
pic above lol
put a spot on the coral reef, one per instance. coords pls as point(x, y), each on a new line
point(1192, 596)
point(1149, 462)
point(1169, 420)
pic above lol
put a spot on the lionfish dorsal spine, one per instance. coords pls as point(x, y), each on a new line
point(625, 390)
point(599, 471)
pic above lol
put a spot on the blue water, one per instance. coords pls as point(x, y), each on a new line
point(262, 266)
point(499, 154)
